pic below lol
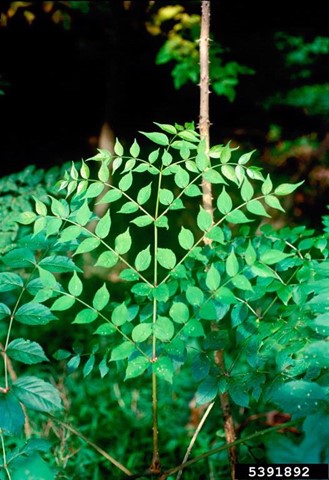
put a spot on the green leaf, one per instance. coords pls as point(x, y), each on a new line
point(224, 295)
point(12, 417)
point(107, 260)
point(166, 258)
point(34, 314)
point(212, 176)
point(26, 351)
point(241, 282)
point(261, 270)
point(122, 351)
point(267, 186)
point(215, 151)
point(299, 397)
point(110, 196)
point(224, 202)
point(166, 128)
point(182, 178)
point(247, 190)
point(144, 194)
point(36, 394)
point(237, 217)
point(142, 220)
point(163, 329)
point(89, 365)
point(153, 156)
point(193, 191)
point(120, 315)
point(83, 214)
point(103, 367)
point(75, 285)
point(129, 275)
point(179, 312)
point(59, 208)
point(69, 233)
point(142, 332)
point(105, 329)
point(213, 278)
point(207, 390)
point(126, 182)
point(237, 393)
point(162, 222)
point(73, 364)
point(232, 264)
point(166, 158)
point(194, 329)
point(204, 220)
point(10, 281)
point(229, 172)
point(84, 170)
point(156, 137)
point(123, 242)
point(19, 258)
point(161, 293)
point(164, 369)
point(104, 172)
point(103, 226)
point(101, 298)
point(186, 238)
point(134, 149)
point(116, 164)
point(245, 158)
point(136, 367)
point(287, 188)
point(25, 218)
point(177, 204)
point(58, 264)
point(194, 296)
point(273, 256)
point(208, 311)
point(225, 154)
point(118, 148)
point(273, 202)
point(128, 207)
point(143, 259)
point(217, 234)
point(202, 161)
point(257, 208)
point(166, 196)
point(316, 354)
point(250, 254)
point(63, 303)
point(94, 190)
point(85, 316)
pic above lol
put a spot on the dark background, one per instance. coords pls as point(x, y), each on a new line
point(64, 83)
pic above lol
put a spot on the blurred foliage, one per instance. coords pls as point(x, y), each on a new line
point(302, 59)
point(182, 31)
point(59, 11)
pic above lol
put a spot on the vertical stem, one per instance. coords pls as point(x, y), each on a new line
point(156, 465)
point(4, 456)
point(204, 124)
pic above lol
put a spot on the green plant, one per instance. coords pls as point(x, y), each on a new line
point(182, 50)
point(265, 291)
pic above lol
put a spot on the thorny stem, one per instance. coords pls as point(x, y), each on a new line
point(208, 206)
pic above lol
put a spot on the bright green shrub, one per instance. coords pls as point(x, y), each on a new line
point(257, 294)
